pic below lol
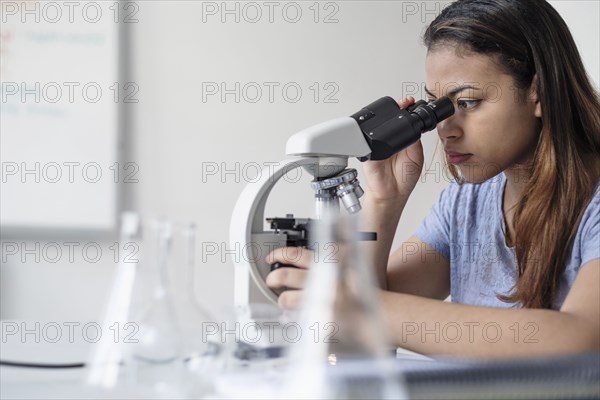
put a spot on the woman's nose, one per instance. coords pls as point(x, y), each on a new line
point(449, 128)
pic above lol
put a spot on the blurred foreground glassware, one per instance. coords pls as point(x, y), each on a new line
point(159, 350)
point(343, 352)
point(154, 358)
point(255, 340)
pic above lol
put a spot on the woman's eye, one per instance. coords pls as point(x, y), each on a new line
point(467, 104)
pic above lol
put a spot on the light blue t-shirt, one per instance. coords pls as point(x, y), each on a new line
point(467, 226)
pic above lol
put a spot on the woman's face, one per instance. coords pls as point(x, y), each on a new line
point(494, 127)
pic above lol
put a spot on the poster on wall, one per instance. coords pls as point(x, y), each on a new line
point(60, 93)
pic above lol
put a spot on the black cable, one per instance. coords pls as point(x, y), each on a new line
point(36, 365)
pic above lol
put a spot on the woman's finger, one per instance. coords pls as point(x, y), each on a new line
point(290, 299)
point(296, 256)
point(290, 278)
point(406, 102)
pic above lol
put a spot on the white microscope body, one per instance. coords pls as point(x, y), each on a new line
point(323, 151)
point(376, 132)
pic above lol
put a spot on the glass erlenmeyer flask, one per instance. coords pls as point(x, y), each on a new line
point(152, 304)
point(173, 354)
point(159, 338)
point(200, 351)
point(104, 366)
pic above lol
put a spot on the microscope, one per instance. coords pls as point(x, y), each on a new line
point(376, 132)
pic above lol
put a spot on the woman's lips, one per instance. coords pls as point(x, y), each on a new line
point(458, 158)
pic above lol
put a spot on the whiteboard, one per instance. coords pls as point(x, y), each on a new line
point(60, 92)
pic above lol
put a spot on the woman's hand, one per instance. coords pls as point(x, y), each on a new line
point(392, 180)
point(291, 279)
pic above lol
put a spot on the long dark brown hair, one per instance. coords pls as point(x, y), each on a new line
point(531, 42)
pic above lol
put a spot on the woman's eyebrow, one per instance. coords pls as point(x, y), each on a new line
point(428, 92)
point(454, 91)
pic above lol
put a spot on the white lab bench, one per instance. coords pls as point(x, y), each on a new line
point(574, 377)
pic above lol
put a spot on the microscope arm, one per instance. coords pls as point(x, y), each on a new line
point(247, 235)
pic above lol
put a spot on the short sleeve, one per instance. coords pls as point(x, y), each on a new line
point(435, 228)
point(590, 233)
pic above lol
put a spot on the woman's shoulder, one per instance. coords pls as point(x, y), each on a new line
point(587, 238)
point(596, 197)
point(592, 210)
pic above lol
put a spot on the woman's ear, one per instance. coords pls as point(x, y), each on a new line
point(534, 98)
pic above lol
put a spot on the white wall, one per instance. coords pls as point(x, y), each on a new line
point(177, 138)
point(583, 18)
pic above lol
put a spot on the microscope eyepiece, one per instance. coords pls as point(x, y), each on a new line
point(433, 112)
point(389, 129)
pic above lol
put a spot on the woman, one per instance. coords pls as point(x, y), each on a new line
point(515, 239)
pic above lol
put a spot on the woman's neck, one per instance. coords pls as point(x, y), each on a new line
point(517, 178)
